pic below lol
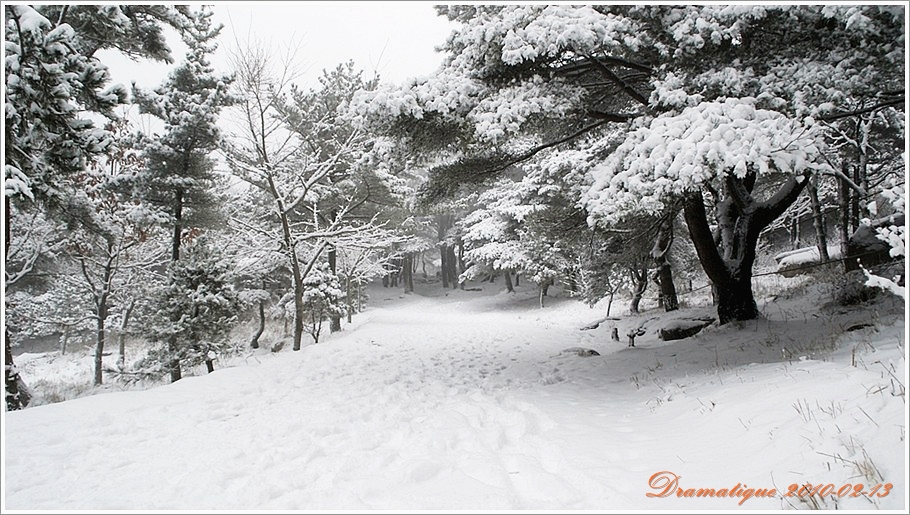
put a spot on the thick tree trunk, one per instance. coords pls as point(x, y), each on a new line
point(740, 219)
point(667, 288)
point(508, 276)
point(209, 366)
point(736, 301)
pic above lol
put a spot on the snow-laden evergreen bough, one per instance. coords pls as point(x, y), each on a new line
point(53, 82)
point(720, 111)
point(724, 148)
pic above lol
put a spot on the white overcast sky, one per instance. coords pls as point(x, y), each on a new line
point(397, 40)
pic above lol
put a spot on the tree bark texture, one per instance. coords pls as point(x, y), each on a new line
point(741, 219)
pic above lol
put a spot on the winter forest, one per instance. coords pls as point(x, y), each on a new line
point(605, 257)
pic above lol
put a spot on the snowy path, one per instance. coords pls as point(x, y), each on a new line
point(435, 404)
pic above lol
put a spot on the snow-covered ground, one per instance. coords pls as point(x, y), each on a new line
point(468, 401)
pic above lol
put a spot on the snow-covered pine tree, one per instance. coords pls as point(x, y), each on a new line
point(52, 82)
point(323, 298)
point(194, 312)
point(722, 104)
point(180, 174)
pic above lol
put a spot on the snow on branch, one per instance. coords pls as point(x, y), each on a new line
point(682, 152)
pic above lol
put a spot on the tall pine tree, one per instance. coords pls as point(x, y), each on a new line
point(180, 175)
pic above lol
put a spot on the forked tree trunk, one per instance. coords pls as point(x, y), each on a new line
point(741, 219)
